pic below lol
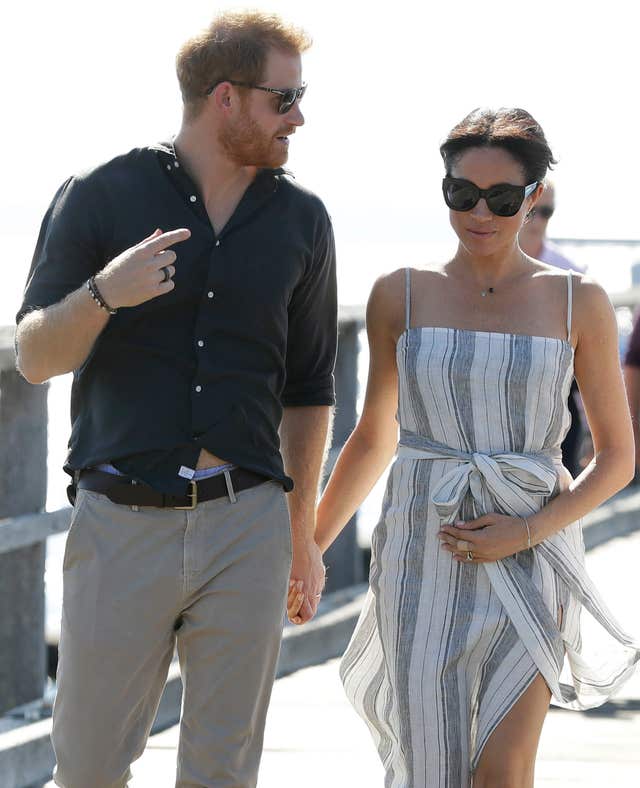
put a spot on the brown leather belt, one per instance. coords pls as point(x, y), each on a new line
point(123, 490)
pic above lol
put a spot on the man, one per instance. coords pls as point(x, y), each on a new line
point(190, 286)
point(534, 242)
point(533, 236)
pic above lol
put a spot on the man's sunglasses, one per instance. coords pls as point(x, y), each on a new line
point(503, 199)
point(544, 211)
point(288, 96)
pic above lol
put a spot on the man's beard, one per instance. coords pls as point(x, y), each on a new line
point(247, 144)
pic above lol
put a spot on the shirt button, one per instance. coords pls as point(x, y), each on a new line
point(198, 389)
point(193, 198)
point(210, 294)
point(176, 163)
point(200, 343)
point(169, 167)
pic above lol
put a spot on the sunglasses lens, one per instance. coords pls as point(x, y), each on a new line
point(287, 101)
point(505, 200)
point(460, 195)
point(289, 98)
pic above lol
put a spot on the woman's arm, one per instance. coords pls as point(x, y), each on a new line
point(632, 385)
point(599, 376)
point(372, 444)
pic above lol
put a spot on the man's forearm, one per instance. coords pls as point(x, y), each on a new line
point(58, 339)
point(304, 436)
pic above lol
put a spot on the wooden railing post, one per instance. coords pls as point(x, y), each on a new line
point(23, 485)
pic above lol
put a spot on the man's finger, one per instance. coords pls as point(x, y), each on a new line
point(306, 611)
point(154, 234)
point(294, 594)
point(161, 259)
point(294, 605)
point(314, 605)
point(165, 240)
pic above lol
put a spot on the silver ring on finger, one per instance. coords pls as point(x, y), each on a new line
point(469, 555)
point(167, 274)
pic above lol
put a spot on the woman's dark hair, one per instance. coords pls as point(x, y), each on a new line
point(511, 129)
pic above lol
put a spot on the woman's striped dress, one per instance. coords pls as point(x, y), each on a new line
point(444, 649)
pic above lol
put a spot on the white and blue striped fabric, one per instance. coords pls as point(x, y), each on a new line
point(444, 649)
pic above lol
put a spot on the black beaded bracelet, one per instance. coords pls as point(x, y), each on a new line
point(92, 287)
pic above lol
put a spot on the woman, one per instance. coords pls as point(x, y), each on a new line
point(477, 577)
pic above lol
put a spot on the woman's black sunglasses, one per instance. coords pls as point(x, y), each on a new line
point(288, 96)
point(503, 199)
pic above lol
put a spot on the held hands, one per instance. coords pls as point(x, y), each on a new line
point(141, 272)
point(306, 583)
point(489, 538)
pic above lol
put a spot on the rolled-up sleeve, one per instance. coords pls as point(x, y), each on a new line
point(70, 246)
point(313, 329)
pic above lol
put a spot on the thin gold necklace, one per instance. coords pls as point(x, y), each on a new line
point(491, 290)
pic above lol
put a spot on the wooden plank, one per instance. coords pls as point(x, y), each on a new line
point(7, 355)
point(28, 529)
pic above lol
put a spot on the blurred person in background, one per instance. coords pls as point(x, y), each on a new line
point(534, 242)
point(533, 236)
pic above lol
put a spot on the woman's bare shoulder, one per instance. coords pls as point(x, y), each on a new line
point(385, 306)
point(590, 297)
point(558, 277)
point(390, 289)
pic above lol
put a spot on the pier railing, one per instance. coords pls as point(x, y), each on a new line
point(24, 527)
point(23, 486)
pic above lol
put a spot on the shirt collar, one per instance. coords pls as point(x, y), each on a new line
point(167, 152)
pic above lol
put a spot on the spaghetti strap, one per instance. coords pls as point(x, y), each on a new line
point(569, 303)
point(407, 299)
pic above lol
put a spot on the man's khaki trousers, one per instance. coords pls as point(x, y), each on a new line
point(136, 583)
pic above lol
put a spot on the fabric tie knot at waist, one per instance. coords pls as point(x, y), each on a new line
point(505, 482)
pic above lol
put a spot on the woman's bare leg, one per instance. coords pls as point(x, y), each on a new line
point(508, 757)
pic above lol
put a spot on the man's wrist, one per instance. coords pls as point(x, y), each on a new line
point(303, 526)
point(98, 297)
point(303, 538)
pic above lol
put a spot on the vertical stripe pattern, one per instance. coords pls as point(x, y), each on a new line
point(443, 649)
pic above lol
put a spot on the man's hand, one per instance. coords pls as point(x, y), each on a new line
point(307, 581)
point(137, 275)
point(303, 436)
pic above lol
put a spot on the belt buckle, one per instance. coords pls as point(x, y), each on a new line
point(193, 494)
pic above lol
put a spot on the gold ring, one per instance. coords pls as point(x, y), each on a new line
point(469, 555)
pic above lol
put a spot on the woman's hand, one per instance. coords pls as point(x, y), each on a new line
point(489, 538)
point(295, 600)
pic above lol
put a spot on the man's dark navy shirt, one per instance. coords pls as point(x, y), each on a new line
point(250, 327)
